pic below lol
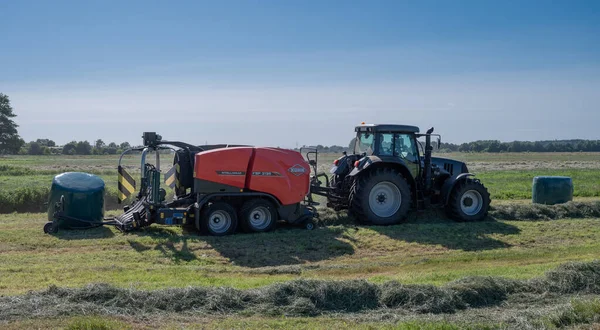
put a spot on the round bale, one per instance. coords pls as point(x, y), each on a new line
point(552, 190)
point(82, 198)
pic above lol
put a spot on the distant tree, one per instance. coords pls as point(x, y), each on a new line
point(494, 146)
point(10, 141)
point(538, 146)
point(112, 145)
point(465, 147)
point(46, 142)
point(351, 144)
point(99, 144)
point(35, 148)
point(70, 148)
point(83, 148)
point(124, 145)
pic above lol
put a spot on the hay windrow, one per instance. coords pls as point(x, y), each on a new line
point(301, 297)
point(574, 210)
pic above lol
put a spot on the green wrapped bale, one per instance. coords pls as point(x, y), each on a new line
point(80, 196)
point(552, 190)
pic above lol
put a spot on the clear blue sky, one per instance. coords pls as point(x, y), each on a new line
point(287, 72)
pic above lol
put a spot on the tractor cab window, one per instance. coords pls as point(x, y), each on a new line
point(364, 143)
point(404, 147)
point(386, 144)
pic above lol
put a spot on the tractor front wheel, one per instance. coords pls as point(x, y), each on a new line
point(380, 197)
point(469, 201)
point(218, 219)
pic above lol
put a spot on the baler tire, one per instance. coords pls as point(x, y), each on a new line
point(223, 209)
point(50, 228)
point(475, 189)
point(265, 208)
point(361, 192)
point(309, 224)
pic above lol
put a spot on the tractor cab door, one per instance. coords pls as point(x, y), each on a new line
point(402, 146)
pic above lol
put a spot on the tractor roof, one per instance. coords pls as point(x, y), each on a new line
point(387, 128)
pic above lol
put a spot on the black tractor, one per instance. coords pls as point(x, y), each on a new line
point(389, 173)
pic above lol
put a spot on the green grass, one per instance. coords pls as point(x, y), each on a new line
point(580, 312)
point(427, 250)
point(162, 256)
point(25, 180)
point(517, 184)
point(518, 157)
point(449, 306)
point(118, 323)
point(62, 162)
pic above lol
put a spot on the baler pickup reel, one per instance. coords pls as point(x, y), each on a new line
point(151, 197)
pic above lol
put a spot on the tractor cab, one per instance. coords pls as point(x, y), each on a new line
point(387, 140)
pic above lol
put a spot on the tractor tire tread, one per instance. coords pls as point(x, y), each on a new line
point(453, 206)
point(357, 195)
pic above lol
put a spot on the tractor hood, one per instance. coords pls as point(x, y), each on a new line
point(453, 167)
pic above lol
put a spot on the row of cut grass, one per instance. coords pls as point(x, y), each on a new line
point(163, 256)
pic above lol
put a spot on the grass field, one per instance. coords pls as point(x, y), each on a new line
point(25, 180)
point(430, 256)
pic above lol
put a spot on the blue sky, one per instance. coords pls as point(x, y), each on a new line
point(301, 72)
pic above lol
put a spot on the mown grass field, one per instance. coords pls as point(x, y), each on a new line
point(428, 250)
point(25, 180)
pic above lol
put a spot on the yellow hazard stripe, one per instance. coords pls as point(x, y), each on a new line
point(122, 196)
point(177, 169)
point(126, 184)
point(170, 180)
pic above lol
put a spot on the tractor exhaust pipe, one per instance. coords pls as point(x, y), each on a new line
point(427, 161)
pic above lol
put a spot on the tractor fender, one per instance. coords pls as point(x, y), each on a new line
point(448, 186)
point(368, 161)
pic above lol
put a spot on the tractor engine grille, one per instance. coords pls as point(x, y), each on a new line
point(449, 168)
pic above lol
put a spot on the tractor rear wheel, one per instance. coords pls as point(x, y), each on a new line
point(468, 202)
point(380, 197)
point(218, 219)
point(258, 215)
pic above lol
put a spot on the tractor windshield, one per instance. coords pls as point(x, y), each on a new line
point(364, 143)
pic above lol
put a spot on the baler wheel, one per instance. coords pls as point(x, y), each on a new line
point(258, 215)
point(50, 228)
point(218, 219)
point(309, 224)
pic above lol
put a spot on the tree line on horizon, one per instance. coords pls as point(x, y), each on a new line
point(12, 143)
point(495, 146)
point(49, 147)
